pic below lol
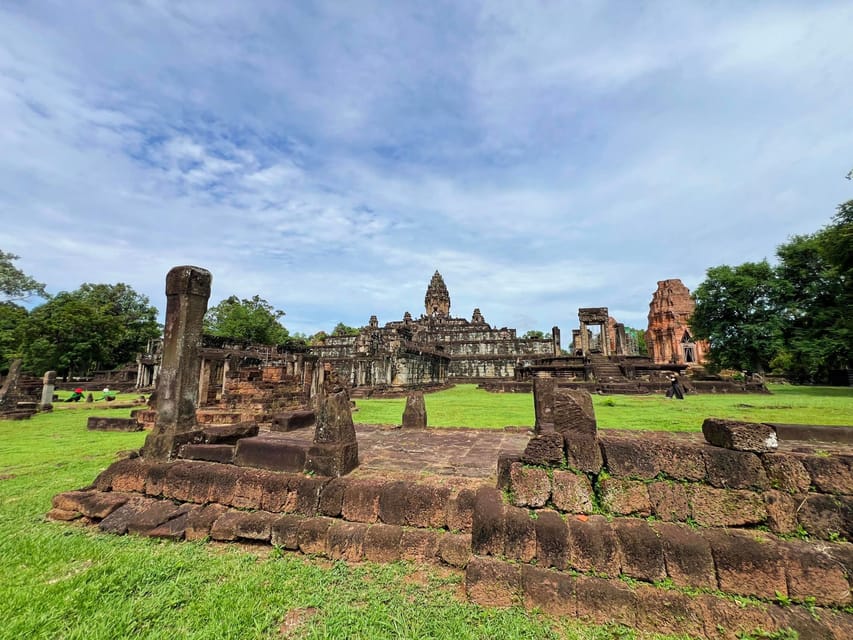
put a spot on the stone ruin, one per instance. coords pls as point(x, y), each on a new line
point(663, 532)
point(23, 396)
point(668, 337)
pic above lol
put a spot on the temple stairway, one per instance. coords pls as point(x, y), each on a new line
point(609, 376)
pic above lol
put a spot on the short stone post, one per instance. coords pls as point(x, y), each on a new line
point(335, 450)
point(187, 291)
point(48, 384)
point(543, 404)
point(9, 390)
point(415, 415)
point(574, 418)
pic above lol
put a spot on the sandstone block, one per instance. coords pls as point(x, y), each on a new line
point(222, 453)
point(786, 473)
point(505, 462)
point(593, 546)
point(551, 591)
point(812, 572)
point(552, 540)
point(667, 611)
point(530, 486)
point(230, 433)
point(781, 512)
point(830, 473)
point(571, 492)
point(520, 534)
point(687, 554)
point(493, 583)
point(332, 497)
point(125, 475)
point(630, 458)
point(574, 417)
point(284, 532)
point(346, 541)
point(200, 520)
point(605, 602)
point(419, 545)
point(455, 549)
point(415, 414)
point(332, 459)
point(712, 507)
point(727, 469)
point(92, 504)
point(729, 620)
point(155, 514)
point(382, 543)
point(748, 563)
point(682, 461)
point(293, 420)
point(544, 449)
point(825, 516)
point(641, 551)
point(740, 436)
point(460, 510)
point(312, 534)
point(413, 504)
point(361, 500)
point(112, 424)
point(625, 497)
point(119, 519)
point(488, 531)
point(263, 452)
point(669, 501)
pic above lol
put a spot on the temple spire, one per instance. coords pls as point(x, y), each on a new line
point(437, 299)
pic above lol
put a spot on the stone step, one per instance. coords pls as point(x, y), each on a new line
point(208, 452)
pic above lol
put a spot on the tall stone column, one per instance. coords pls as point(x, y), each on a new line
point(48, 385)
point(605, 339)
point(555, 337)
point(584, 339)
point(187, 291)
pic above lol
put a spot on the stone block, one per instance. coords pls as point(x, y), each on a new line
point(419, 545)
point(830, 473)
point(460, 510)
point(255, 525)
point(173, 529)
point(284, 532)
point(781, 512)
point(334, 420)
point(124, 475)
point(112, 424)
point(332, 497)
point(727, 469)
point(712, 507)
point(61, 515)
point(682, 461)
point(640, 549)
point(293, 420)
point(605, 602)
point(332, 459)
point(545, 449)
point(488, 531)
point(505, 462)
point(552, 540)
point(825, 516)
point(785, 472)
point(493, 583)
point(812, 572)
point(688, 558)
point(571, 492)
point(593, 546)
point(740, 436)
point(551, 591)
point(729, 620)
point(625, 497)
point(230, 433)
point(669, 500)
point(382, 543)
point(155, 514)
point(119, 519)
point(748, 563)
point(92, 504)
point(222, 453)
point(574, 417)
point(520, 534)
point(250, 488)
point(312, 534)
point(413, 504)
point(221, 484)
point(415, 414)
point(670, 612)
point(200, 520)
point(308, 492)
point(626, 458)
point(361, 500)
point(345, 541)
point(264, 452)
point(801, 622)
point(455, 549)
point(543, 403)
point(529, 486)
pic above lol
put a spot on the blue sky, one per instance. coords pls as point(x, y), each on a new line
point(330, 156)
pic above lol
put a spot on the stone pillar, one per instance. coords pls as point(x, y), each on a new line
point(621, 340)
point(9, 390)
point(204, 381)
point(335, 450)
point(584, 338)
point(415, 414)
point(605, 339)
point(47, 390)
point(574, 417)
point(555, 337)
point(543, 404)
point(187, 291)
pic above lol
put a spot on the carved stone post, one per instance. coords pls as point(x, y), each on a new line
point(555, 337)
point(187, 291)
point(47, 390)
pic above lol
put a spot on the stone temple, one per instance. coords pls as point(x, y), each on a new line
point(432, 350)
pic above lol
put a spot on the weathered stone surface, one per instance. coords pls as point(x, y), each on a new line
point(712, 507)
point(419, 545)
point(263, 452)
point(641, 552)
point(631, 458)
point(415, 414)
point(543, 404)
point(119, 519)
point(625, 497)
point(740, 436)
point(332, 497)
point(545, 449)
point(574, 417)
point(488, 531)
point(413, 504)
point(530, 486)
point(493, 583)
point(812, 572)
point(382, 543)
point(284, 532)
point(520, 534)
point(669, 500)
point(552, 540)
point(112, 424)
point(781, 512)
point(785, 472)
point(61, 515)
point(292, 420)
point(748, 563)
point(334, 420)
point(332, 460)
point(187, 291)
point(825, 516)
point(667, 611)
point(505, 462)
point(605, 602)
point(155, 514)
point(223, 453)
point(593, 546)
point(682, 461)
point(687, 554)
point(734, 469)
point(312, 535)
point(571, 492)
point(230, 433)
point(345, 541)
point(201, 519)
point(551, 591)
point(173, 529)
point(830, 473)
point(92, 504)
point(729, 620)
point(124, 475)
point(455, 549)
point(460, 511)
point(361, 500)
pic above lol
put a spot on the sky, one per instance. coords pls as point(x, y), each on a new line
point(330, 156)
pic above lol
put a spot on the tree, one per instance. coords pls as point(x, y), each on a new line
point(533, 334)
point(344, 330)
point(14, 283)
point(640, 339)
point(12, 317)
point(737, 311)
point(97, 326)
point(253, 321)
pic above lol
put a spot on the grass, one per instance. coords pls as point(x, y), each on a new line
point(467, 406)
point(72, 582)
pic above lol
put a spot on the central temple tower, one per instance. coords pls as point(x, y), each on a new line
point(437, 299)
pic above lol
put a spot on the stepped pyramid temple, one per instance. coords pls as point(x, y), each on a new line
point(432, 350)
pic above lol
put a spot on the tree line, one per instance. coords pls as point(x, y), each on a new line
point(794, 318)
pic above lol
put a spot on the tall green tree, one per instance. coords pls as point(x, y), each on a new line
point(737, 311)
point(253, 321)
point(98, 326)
point(12, 318)
point(342, 329)
point(534, 334)
point(14, 283)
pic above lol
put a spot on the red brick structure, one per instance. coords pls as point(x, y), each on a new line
point(669, 338)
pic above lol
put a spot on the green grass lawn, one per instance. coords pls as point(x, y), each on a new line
point(66, 581)
point(467, 406)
